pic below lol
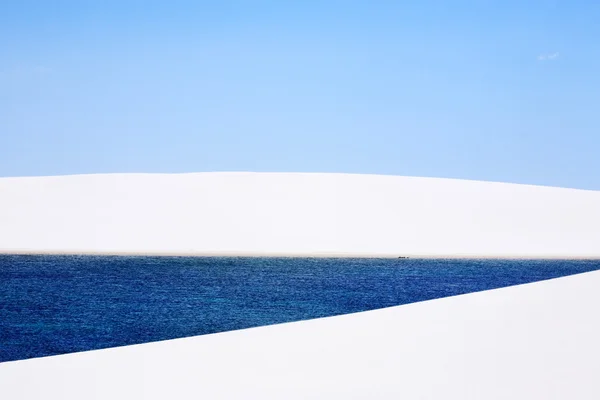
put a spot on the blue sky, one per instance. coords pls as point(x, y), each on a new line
point(488, 90)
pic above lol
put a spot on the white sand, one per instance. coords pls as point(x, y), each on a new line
point(536, 341)
point(295, 214)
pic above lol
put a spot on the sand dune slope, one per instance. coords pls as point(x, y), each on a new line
point(301, 214)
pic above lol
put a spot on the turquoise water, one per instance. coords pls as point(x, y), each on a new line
point(61, 304)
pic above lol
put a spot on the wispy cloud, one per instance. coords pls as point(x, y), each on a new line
point(548, 56)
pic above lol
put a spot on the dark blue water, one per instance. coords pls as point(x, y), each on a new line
point(61, 304)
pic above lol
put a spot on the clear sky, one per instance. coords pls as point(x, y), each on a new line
point(491, 90)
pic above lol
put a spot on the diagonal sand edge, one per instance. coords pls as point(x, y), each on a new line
point(534, 341)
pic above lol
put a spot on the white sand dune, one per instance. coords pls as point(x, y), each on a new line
point(295, 214)
point(536, 341)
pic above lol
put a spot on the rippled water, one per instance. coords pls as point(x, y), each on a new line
point(61, 304)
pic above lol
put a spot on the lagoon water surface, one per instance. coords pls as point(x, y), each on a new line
point(60, 304)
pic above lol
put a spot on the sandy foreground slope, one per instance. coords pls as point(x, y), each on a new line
point(295, 214)
point(536, 341)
